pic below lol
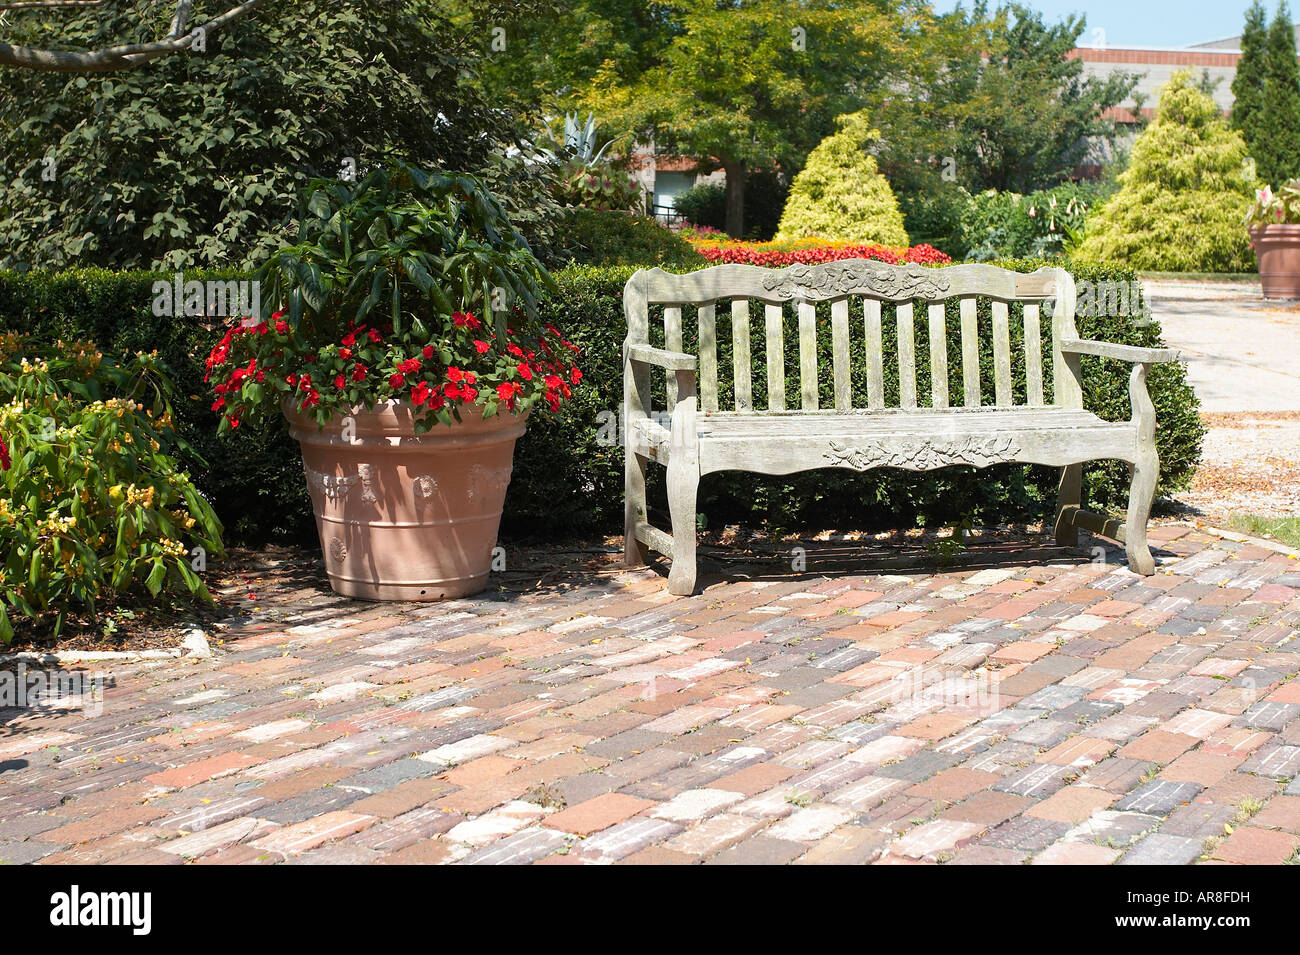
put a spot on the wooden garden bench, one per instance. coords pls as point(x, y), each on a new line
point(693, 436)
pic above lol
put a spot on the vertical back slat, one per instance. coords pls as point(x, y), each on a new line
point(1033, 356)
point(708, 358)
point(740, 354)
point(808, 355)
point(970, 353)
point(775, 358)
point(906, 357)
point(1001, 355)
point(673, 342)
point(840, 353)
point(938, 355)
point(875, 357)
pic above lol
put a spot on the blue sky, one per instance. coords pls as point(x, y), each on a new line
point(1147, 22)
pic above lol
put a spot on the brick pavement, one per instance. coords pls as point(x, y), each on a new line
point(1033, 707)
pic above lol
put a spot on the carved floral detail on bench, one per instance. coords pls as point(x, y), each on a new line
point(924, 455)
point(835, 278)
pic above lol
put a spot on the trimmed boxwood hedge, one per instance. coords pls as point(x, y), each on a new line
point(568, 478)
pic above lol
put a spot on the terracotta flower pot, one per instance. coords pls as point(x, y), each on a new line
point(1277, 247)
point(403, 516)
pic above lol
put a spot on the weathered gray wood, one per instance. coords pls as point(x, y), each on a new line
point(773, 318)
point(708, 358)
point(938, 355)
point(1067, 390)
point(817, 283)
point(661, 358)
point(808, 355)
point(970, 353)
point(740, 354)
point(672, 342)
point(1001, 356)
point(683, 484)
point(1033, 356)
point(1146, 471)
point(701, 439)
point(875, 355)
point(840, 354)
point(906, 356)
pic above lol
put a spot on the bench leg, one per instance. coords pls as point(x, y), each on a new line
point(635, 553)
point(683, 486)
point(1141, 493)
point(1069, 494)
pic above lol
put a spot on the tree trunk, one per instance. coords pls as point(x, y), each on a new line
point(736, 173)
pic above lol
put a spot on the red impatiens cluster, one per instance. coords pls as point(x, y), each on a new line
point(369, 364)
point(4, 455)
point(777, 255)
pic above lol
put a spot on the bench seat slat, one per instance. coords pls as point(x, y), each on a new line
point(672, 342)
point(1001, 356)
point(1033, 356)
point(740, 354)
point(773, 317)
point(906, 356)
point(840, 354)
point(970, 353)
point(938, 355)
point(808, 355)
point(875, 356)
point(708, 357)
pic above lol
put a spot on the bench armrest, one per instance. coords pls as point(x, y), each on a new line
point(1131, 353)
point(671, 360)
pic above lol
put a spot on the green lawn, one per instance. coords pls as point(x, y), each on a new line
point(1285, 530)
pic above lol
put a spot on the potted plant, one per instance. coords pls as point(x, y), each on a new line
point(406, 355)
point(1274, 226)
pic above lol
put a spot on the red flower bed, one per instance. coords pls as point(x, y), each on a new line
point(813, 252)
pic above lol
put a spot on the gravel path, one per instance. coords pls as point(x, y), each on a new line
point(1243, 359)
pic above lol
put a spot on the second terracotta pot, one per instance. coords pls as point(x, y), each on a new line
point(403, 516)
point(1278, 249)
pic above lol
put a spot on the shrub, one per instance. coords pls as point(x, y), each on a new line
point(1008, 225)
point(810, 252)
point(95, 510)
point(379, 293)
point(568, 478)
point(1183, 197)
point(840, 194)
point(597, 237)
point(933, 216)
point(704, 205)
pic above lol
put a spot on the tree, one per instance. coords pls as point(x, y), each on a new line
point(1276, 147)
point(1252, 72)
point(1183, 197)
point(1013, 109)
point(197, 158)
point(758, 83)
point(839, 194)
point(180, 36)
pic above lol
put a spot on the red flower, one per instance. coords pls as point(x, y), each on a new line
point(409, 366)
point(359, 373)
point(428, 351)
point(282, 327)
point(575, 375)
point(216, 405)
point(397, 381)
point(345, 353)
point(374, 335)
point(420, 393)
point(525, 372)
point(338, 382)
point(463, 320)
point(350, 339)
point(481, 346)
point(507, 390)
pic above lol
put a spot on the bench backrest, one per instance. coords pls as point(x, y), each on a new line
point(868, 309)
